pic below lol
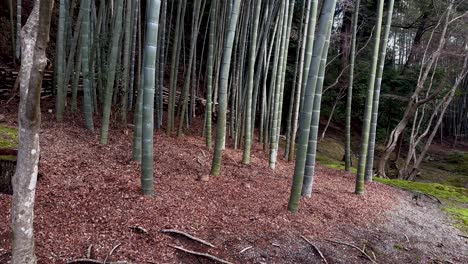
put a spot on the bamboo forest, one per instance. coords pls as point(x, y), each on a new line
point(233, 131)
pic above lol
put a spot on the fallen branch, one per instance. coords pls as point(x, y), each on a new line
point(139, 229)
point(433, 197)
point(93, 261)
point(89, 251)
point(245, 249)
point(463, 236)
point(173, 231)
point(316, 249)
point(112, 251)
point(353, 246)
point(205, 255)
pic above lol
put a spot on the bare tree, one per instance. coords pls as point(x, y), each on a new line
point(34, 38)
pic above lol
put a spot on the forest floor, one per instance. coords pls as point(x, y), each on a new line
point(89, 194)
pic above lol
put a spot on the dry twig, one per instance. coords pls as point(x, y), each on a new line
point(89, 252)
point(205, 255)
point(139, 229)
point(353, 246)
point(93, 261)
point(316, 249)
point(245, 249)
point(112, 251)
point(173, 231)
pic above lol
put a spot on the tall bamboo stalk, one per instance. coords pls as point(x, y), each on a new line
point(149, 83)
point(306, 112)
point(111, 62)
point(368, 106)
point(250, 84)
point(87, 103)
point(349, 98)
point(226, 64)
point(375, 105)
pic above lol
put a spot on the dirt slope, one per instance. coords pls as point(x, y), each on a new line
point(89, 195)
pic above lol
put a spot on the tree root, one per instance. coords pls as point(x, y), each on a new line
point(205, 255)
point(93, 261)
point(316, 249)
point(173, 231)
point(353, 246)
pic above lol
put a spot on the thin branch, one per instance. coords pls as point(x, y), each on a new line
point(93, 261)
point(112, 251)
point(458, 17)
point(355, 247)
point(245, 249)
point(173, 231)
point(316, 249)
point(205, 255)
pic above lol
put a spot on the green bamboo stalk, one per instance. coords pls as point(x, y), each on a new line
point(126, 62)
point(304, 64)
point(209, 76)
point(293, 92)
point(61, 95)
point(309, 171)
point(112, 63)
point(70, 67)
point(309, 49)
point(349, 98)
point(174, 66)
point(272, 97)
point(87, 104)
point(278, 102)
point(306, 112)
point(368, 107)
point(18, 29)
point(375, 105)
point(189, 72)
point(147, 161)
point(76, 79)
point(251, 68)
point(12, 30)
point(226, 64)
point(131, 92)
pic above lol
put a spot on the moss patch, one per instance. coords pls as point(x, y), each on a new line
point(455, 198)
point(461, 215)
point(440, 191)
point(333, 163)
point(8, 137)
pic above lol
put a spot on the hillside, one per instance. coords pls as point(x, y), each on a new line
point(88, 194)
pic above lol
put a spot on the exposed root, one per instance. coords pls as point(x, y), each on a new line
point(316, 249)
point(353, 246)
point(173, 231)
point(93, 261)
point(205, 255)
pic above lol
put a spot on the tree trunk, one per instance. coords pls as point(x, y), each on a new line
point(34, 37)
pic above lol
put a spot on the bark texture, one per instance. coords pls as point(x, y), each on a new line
point(34, 38)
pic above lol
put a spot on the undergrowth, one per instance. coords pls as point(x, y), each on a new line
point(8, 139)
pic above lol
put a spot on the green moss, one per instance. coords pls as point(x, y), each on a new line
point(460, 215)
point(455, 198)
point(333, 163)
point(438, 190)
point(8, 137)
point(399, 247)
